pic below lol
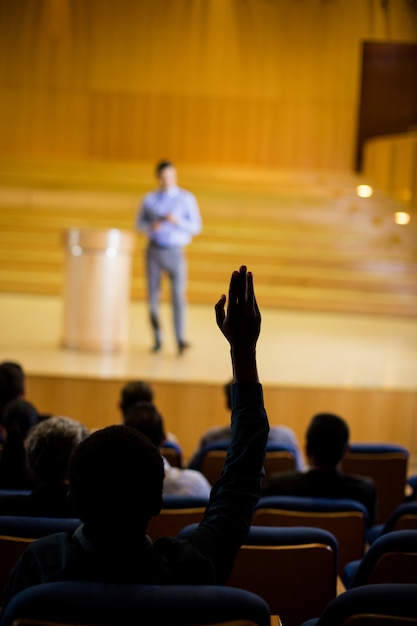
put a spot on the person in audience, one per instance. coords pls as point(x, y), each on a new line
point(17, 419)
point(141, 391)
point(135, 391)
point(12, 383)
point(144, 417)
point(279, 435)
point(50, 444)
point(327, 440)
point(116, 483)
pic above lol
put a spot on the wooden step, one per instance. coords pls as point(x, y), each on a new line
point(312, 243)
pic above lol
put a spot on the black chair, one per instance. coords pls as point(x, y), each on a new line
point(110, 604)
point(283, 565)
point(392, 558)
point(277, 459)
point(387, 465)
point(177, 511)
point(371, 605)
point(404, 517)
point(345, 519)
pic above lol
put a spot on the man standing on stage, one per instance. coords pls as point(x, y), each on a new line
point(170, 217)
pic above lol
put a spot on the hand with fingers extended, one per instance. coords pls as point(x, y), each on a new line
point(241, 323)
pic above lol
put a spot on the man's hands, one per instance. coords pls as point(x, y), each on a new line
point(241, 324)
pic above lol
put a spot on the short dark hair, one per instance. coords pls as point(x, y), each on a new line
point(327, 438)
point(116, 479)
point(12, 382)
point(145, 417)
point(18, 417)
point(135, 391)
point(161, 165)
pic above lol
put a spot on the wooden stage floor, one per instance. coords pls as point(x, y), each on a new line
point(362, 366)
point(296, 348)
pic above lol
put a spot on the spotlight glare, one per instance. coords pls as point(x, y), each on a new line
point(364, 191)
point(402, 217)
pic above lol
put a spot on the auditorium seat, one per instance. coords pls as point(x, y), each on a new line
point(107, 604)
point(345, 519)
point(387, 465)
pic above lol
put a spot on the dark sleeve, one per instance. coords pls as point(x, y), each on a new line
point(233, 497)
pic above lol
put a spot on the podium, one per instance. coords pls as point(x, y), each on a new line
point(96, 289)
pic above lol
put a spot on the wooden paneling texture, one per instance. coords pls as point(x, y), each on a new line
point(270, 84)
point(190, 408)
point(313, 243)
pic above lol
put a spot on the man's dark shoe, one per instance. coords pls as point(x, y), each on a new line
point(183, 345)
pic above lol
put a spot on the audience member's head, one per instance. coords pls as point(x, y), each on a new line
point(135, 391)
point(12, 382)
point(50, 444)
point(116, 480)
point(144, 417)
point(327, 439)
point(18, 418)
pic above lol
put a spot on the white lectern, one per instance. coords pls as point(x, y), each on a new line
point(97, 289)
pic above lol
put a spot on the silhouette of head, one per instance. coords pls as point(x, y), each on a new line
point(327, 439)
point(135, 391)
point(116, 479)
point(12, 382)
point(144, 417)
point(18, 418)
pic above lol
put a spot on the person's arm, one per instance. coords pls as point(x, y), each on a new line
point(233, 497)
point(188, 219)
point(146, 220)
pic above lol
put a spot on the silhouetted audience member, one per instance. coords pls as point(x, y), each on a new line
point(141, 391)
point(50, 444)
point(17, 419)
point(116, 482)
point(135, 391)
point(144, 417)
point(327, 440)
point(279, 435)
point(12, 383)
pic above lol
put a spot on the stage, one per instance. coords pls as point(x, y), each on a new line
point(364, 367)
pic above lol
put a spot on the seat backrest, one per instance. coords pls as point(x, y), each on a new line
point(172, 455)
point(16, 532)
point(392, 558)
point(276, 460)
point(387, 465)
point(345, 519)
point(371, 605)
point(105, 604)
point(403, 518)
point(293, 569)
point(176, 513)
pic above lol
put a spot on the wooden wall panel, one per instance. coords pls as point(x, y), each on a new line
point(388, 101)
point(189, 409)
point(272, 84)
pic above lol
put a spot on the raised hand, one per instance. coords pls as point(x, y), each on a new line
point(241, 322)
